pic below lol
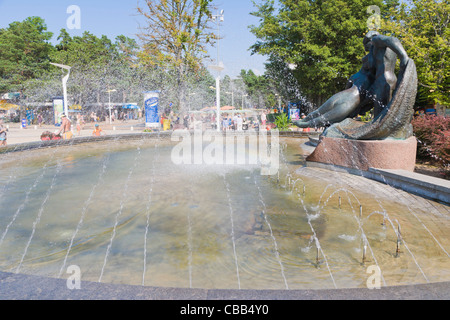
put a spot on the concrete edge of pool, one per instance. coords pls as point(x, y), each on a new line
point(30, 145)
point(27, 287)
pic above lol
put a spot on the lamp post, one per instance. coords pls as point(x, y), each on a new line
point(109, 93)
point(218, 18)
point(219, 67)
point(64, 83)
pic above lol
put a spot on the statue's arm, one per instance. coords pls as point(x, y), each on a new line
point(394, 44)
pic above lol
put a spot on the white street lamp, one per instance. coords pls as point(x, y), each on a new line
point(218, 18)
point(219, 67)
point(109, 93)
point(64, 83)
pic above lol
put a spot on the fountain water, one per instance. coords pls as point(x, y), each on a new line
point(148, 211)
point(232, 231)
point(123, 213)
point(398, 234)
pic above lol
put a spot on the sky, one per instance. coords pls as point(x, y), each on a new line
point(116, 17)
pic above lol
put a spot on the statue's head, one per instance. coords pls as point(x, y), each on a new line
point(368, 39)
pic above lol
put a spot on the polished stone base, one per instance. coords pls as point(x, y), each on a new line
point(364, 154)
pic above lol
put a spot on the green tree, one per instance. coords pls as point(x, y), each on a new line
point(91, 59)
point(261, 89)
point(322, 40)
point(423, 28)
point(99, 64)
point(175, 38)
point(24, 52)
point(87, 51)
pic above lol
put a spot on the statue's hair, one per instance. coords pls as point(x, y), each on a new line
point(368, 37)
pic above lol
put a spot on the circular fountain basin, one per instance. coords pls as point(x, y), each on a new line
point(124, 213)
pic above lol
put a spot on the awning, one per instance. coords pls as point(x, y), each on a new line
point(131, 106)
point(8, 106)
point(227, 108)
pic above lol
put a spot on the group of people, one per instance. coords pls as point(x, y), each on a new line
point(65, 130)
point(234, 123)
point(240, 122)
point(229, 122)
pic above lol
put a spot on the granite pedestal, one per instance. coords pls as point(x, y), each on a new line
point(365, 154)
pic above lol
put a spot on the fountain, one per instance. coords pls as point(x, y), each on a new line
point(120, 210)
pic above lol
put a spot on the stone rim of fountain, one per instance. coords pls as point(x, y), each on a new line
point(123, 136)
point(27, 287)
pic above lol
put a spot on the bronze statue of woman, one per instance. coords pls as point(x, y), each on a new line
point(371, 87)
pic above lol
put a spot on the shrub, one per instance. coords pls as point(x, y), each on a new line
point(433, 135)
point(367, 117)
point(282, 122)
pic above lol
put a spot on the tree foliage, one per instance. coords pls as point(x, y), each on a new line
point(321, 39)
point(423, 27)
point(261, 90)
point(175, 37)
point(24, 52)
point(282, 122)
point(98, 64)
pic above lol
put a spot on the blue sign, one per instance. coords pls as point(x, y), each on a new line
point(151, 106)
